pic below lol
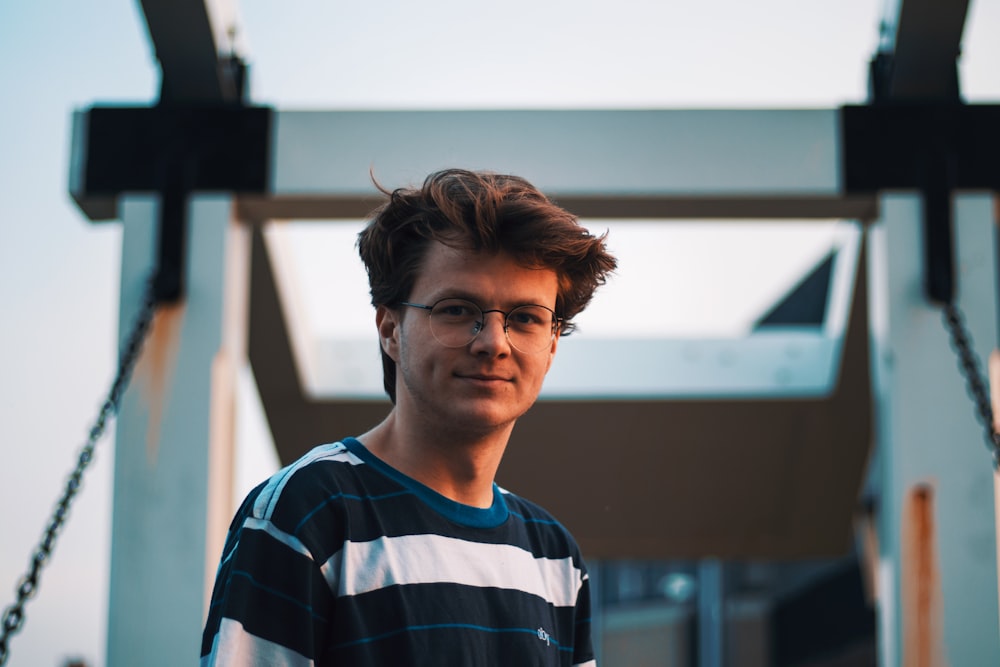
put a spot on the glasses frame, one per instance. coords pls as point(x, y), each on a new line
point(556, 321)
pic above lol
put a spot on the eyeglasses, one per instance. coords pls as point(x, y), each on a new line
point(457, 322)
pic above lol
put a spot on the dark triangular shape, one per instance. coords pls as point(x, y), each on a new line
point(805, 304)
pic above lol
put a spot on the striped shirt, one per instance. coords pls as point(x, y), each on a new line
point(340, 559)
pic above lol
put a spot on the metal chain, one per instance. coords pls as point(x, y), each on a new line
point(969, 364)
point(13, 616)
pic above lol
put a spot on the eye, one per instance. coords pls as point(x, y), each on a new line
point(456, 309)
point(530, 317)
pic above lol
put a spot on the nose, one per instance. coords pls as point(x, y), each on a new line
point(482, 325)
point(492, 338)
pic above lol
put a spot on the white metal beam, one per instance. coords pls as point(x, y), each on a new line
point(938, 573)
point(790, 362)
point(599, 163)
point(173, 455)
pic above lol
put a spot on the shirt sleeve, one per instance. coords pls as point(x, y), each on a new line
point(271, 604)
point(583, 649)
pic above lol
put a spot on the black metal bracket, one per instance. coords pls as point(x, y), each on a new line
point(174, 188)
point(173, 150)
point(933, 148)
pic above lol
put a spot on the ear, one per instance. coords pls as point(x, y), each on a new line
point(387, 323)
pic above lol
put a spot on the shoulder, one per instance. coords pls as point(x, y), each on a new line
point(323, 471)
point(547, 534)
point(529, 512)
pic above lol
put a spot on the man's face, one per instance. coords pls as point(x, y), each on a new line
point(486, 384)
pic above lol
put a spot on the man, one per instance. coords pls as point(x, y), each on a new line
point(397, 547)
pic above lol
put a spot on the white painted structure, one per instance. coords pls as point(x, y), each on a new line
point(174, 464)
point(927, 436)
point(174, 455)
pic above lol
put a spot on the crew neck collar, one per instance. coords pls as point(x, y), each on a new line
point(466, 515)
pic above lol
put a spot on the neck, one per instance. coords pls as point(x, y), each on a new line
point(459, 466)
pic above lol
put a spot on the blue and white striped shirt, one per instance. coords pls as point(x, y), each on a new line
point(340, 559)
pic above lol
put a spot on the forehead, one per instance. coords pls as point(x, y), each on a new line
point(493, 278)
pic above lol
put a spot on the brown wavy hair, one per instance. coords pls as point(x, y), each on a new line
point(483, 212)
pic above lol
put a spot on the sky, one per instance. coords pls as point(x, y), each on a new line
point(59, 272)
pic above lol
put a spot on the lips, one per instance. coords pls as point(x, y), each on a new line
point(484, 377)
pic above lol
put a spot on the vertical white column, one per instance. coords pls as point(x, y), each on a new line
point(937, 531)
point(173, 453)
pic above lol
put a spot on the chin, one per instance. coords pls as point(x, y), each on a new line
point(483, 415)
point(494, 419)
